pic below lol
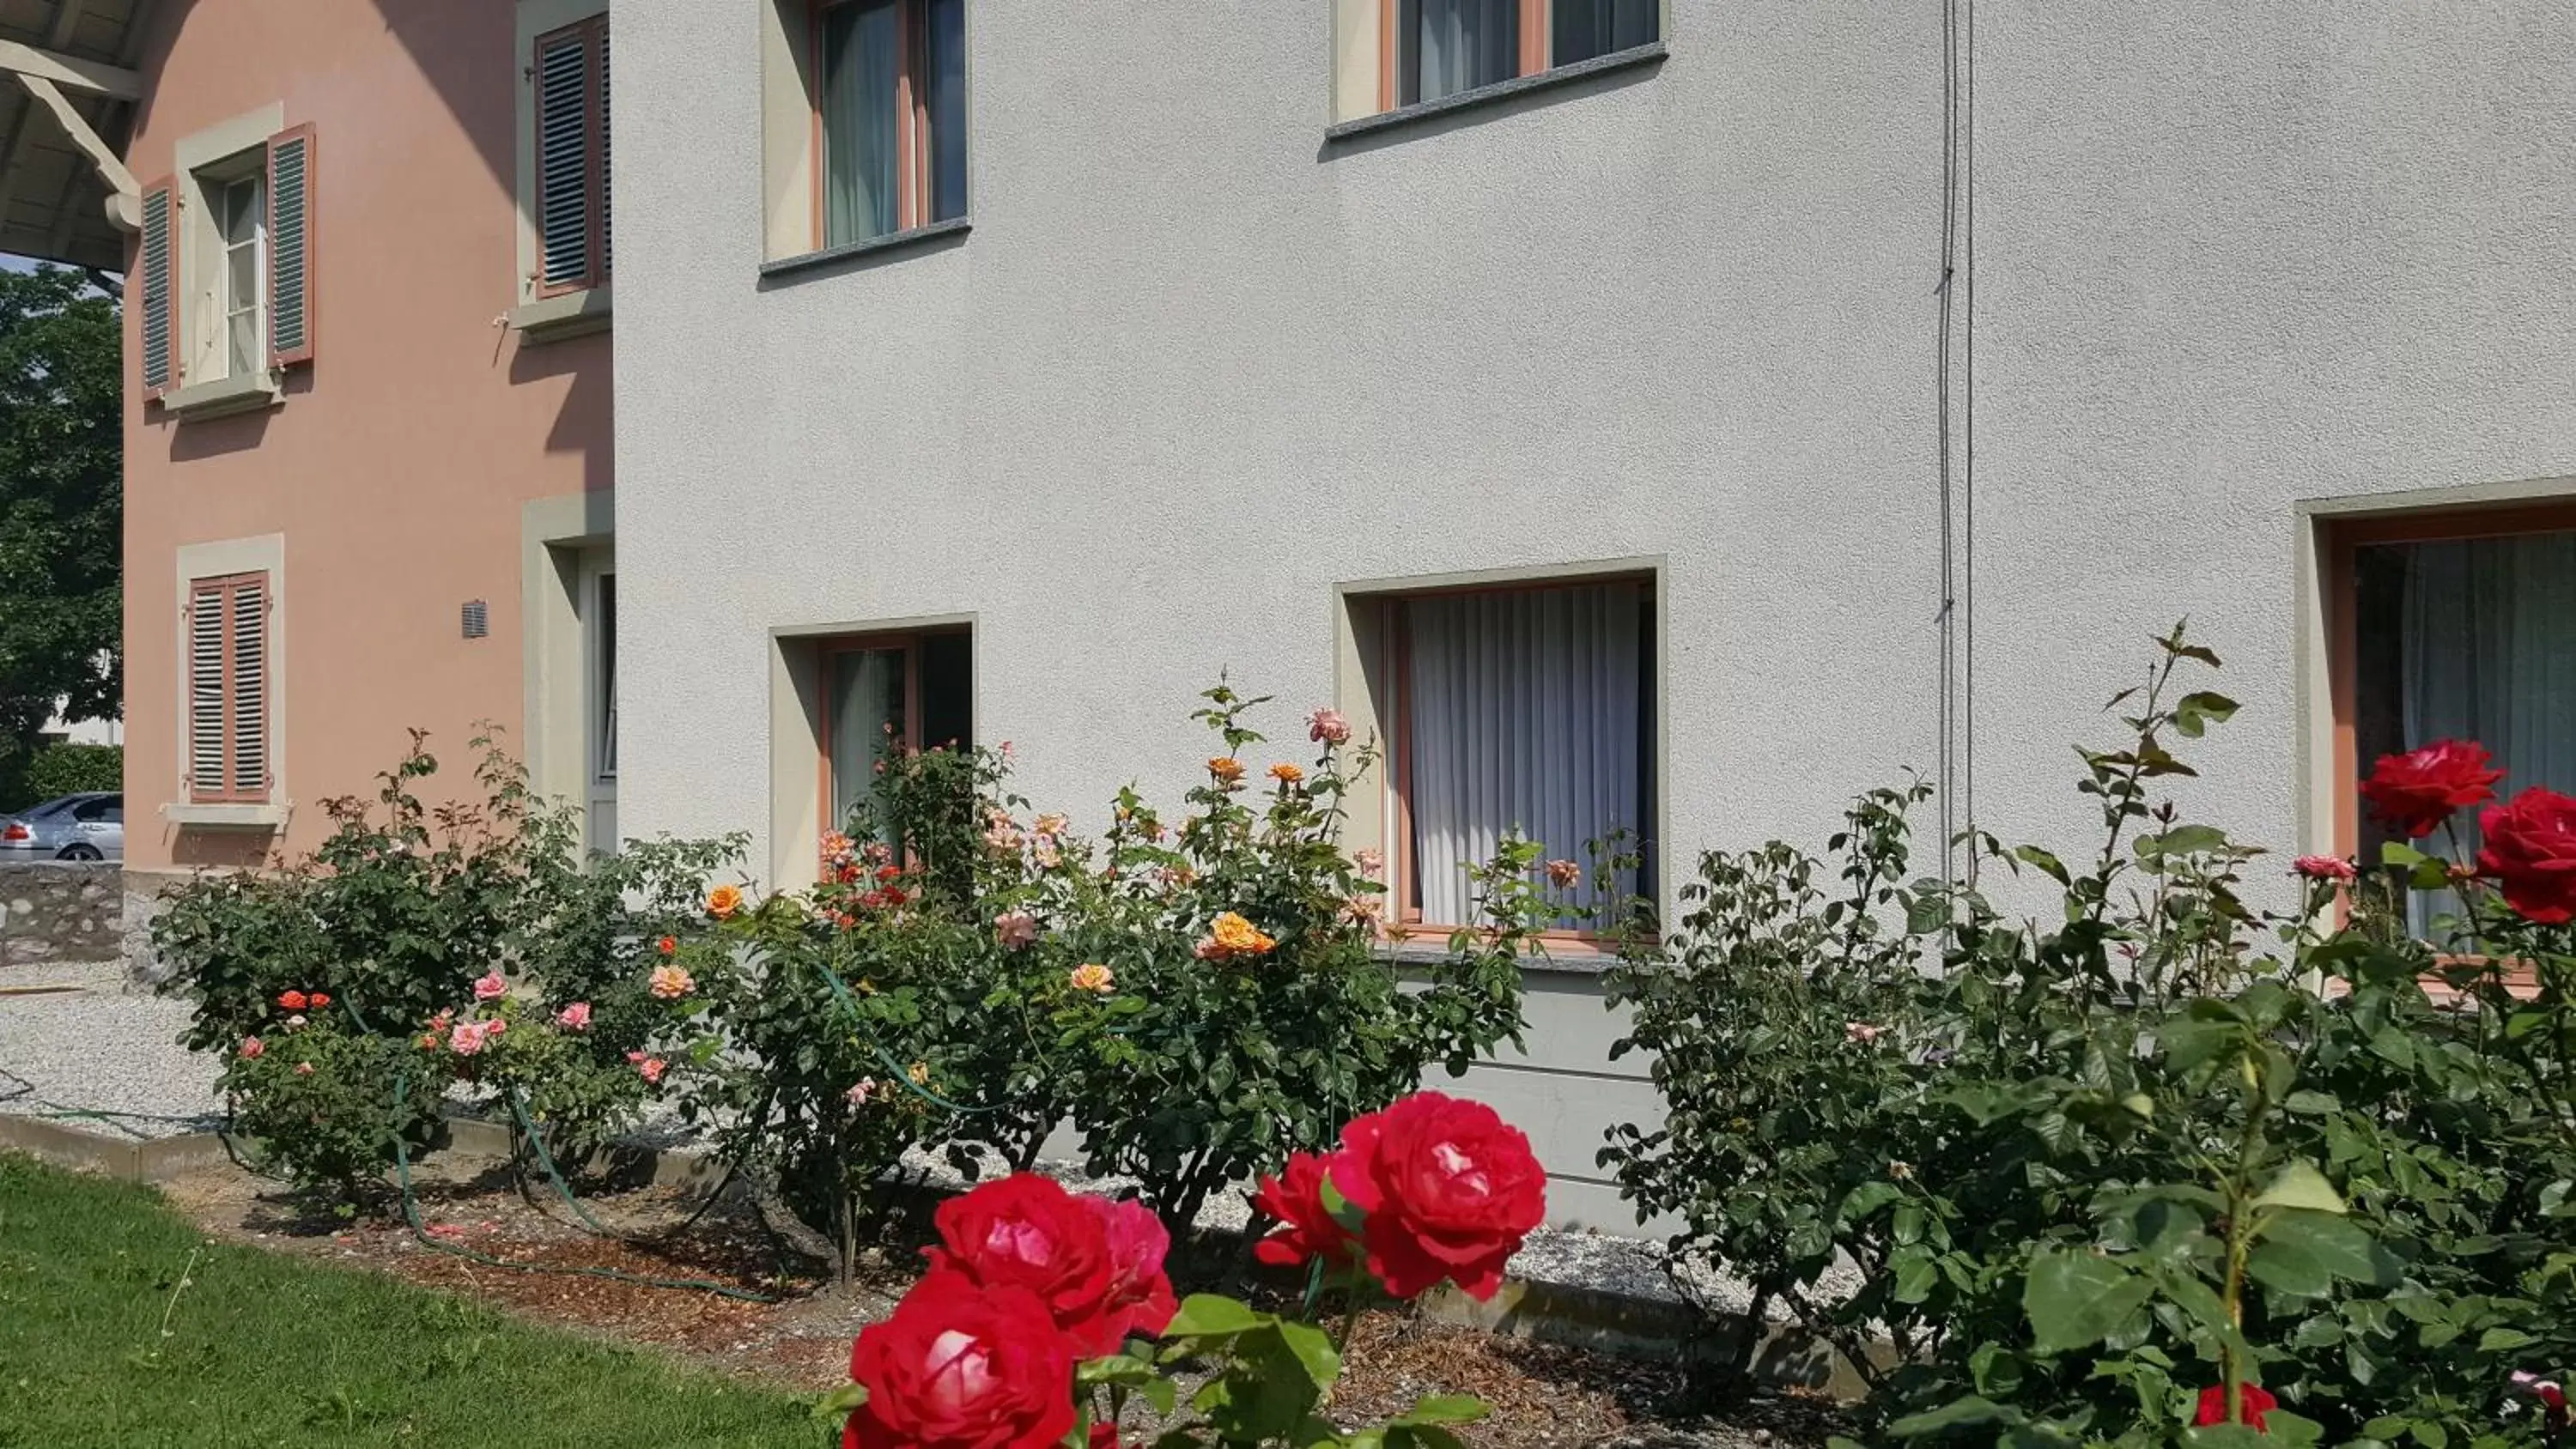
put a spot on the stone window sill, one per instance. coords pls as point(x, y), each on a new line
point(569, 314)
point(267, 816)
point(1499, 91)
point(223, 396)
point(894, 241)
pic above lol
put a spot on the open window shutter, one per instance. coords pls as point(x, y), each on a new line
point(207, 776)
point(249, 703)
point(290, 246)
point(567, 249)
point(159, 265)
point(601, 131)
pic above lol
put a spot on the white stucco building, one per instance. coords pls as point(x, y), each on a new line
point(1064, 355)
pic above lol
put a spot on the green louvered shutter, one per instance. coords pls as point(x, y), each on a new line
point(156, 262)
point(571, 74)
point(290, 242)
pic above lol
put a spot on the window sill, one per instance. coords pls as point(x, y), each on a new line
point(223, 396)
point(1562, 955)
point(1519, 85)
point(246, 816)
point(893, 241)
point(569, 314)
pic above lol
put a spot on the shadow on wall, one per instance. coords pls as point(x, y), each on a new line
point(197, 846)
point(586, 420)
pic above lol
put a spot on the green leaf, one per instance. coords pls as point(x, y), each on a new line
point(2284, 1266)
point(2311, 1104)
point(1446, 1409)
point(2496, 1340)
point(2044, 862)
point(2300, 1185)
point(1314, 1349)
point(1209, 1315)
point(2198, 710)
point(835, 1406)
point(2339, 1245)
point(2075, 1299)
point(1957, 1414)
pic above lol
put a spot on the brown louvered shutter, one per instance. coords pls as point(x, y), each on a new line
point(228, 756)
point(158, 263)
point(572, 158)
point(290, 244)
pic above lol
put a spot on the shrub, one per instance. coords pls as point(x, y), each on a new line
point(66, 769)
point(2102, 1169)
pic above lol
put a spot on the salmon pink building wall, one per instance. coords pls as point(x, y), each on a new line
point(397, 466)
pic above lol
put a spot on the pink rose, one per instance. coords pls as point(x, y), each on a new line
point(467, 1038)
point(1564, 873)
point(650, 1068)
point(303, 1069)
point(860, 1095)
point(295, 1021)
point(1370, 860)
point(2324, 867)
point(1015, 928)
point(670, 983)
point(1140, 1299)
point(1045, 853)
point(1327, 727)
point(491, 987)
point(1861, 1032)
point(575, 1017)
point(251, 1047)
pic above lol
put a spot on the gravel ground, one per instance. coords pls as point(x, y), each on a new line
point(107, 1047)
point(103, 1048)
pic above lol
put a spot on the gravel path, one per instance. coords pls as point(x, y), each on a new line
point(104, 1047)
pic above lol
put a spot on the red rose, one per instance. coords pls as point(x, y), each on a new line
point(318, 1000)
point(2531, 848)
point(1140, 1298)
point(2416, 791)
point(1447, 1188)
point(961, 1367)
point(2254, 1399)
point(1026, 1231)
point(1306, 1227)
point(291, 1000)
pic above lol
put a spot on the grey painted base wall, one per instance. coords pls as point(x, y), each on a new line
point(60, 911)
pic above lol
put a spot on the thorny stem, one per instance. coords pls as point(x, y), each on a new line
point(2240, 1238)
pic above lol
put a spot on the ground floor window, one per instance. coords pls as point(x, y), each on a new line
point(913, 691)
point(1527, 708)
point(2459, 626)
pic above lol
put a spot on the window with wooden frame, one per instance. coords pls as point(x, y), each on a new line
point(888, 82)
point(2451, 625)
point(885, 691)
point(225, 268)
point(227, 624)
point(1524, 708)
point(1431, 50)
point(570, 74)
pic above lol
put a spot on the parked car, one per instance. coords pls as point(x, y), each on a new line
point(75, 827)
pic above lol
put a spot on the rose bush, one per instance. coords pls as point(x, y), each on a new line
point(2103, 1162)
point(1049, 1319)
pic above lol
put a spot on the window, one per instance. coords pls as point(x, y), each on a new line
point(916, 691)
point(226, 265)
point(2459, 626)
point(228, 655)
point(570, 73)
point(1527, 708)
point(890, 112)
point(1395, 53)
point(100, 810)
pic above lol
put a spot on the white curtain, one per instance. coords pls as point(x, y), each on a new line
point(1526, 713)
point(1462, 44)
point(861, 61)
point(2489, 654)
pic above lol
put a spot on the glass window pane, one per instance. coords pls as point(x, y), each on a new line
point(947, 690)
point(241, 210)
point(604, 640)
point(945, 65)
point(1586, 28)
point(2470, 639)
point(861, 60)
point(242, 343)
point(241, 277)
point(865, 697)
point(1456, 45)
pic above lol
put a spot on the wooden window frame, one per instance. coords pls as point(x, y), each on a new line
point(1536, 31)
point(912, 117)
point(1404, 917)
point(830, 647)
point(226, 588)
point(594, 37)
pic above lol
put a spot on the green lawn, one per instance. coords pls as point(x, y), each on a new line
point(265, 1350)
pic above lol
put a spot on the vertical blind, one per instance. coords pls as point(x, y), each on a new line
point(1457, 45)
point(1526, 710)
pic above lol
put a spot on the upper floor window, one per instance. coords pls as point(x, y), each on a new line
point(570, 73)
point(890, 105)
point(1395, 53)
point(225, 269)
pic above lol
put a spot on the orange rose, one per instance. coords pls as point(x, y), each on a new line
point(1287, 774)
point(723, 901)
point(1227, 769)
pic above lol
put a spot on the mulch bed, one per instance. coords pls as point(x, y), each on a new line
point(1543, 1396)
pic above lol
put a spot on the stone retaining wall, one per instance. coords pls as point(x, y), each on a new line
point(60, 911)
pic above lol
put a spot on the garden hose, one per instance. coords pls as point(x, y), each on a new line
point(901, 1073)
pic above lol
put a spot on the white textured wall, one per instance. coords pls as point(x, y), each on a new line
point(1192, 367)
